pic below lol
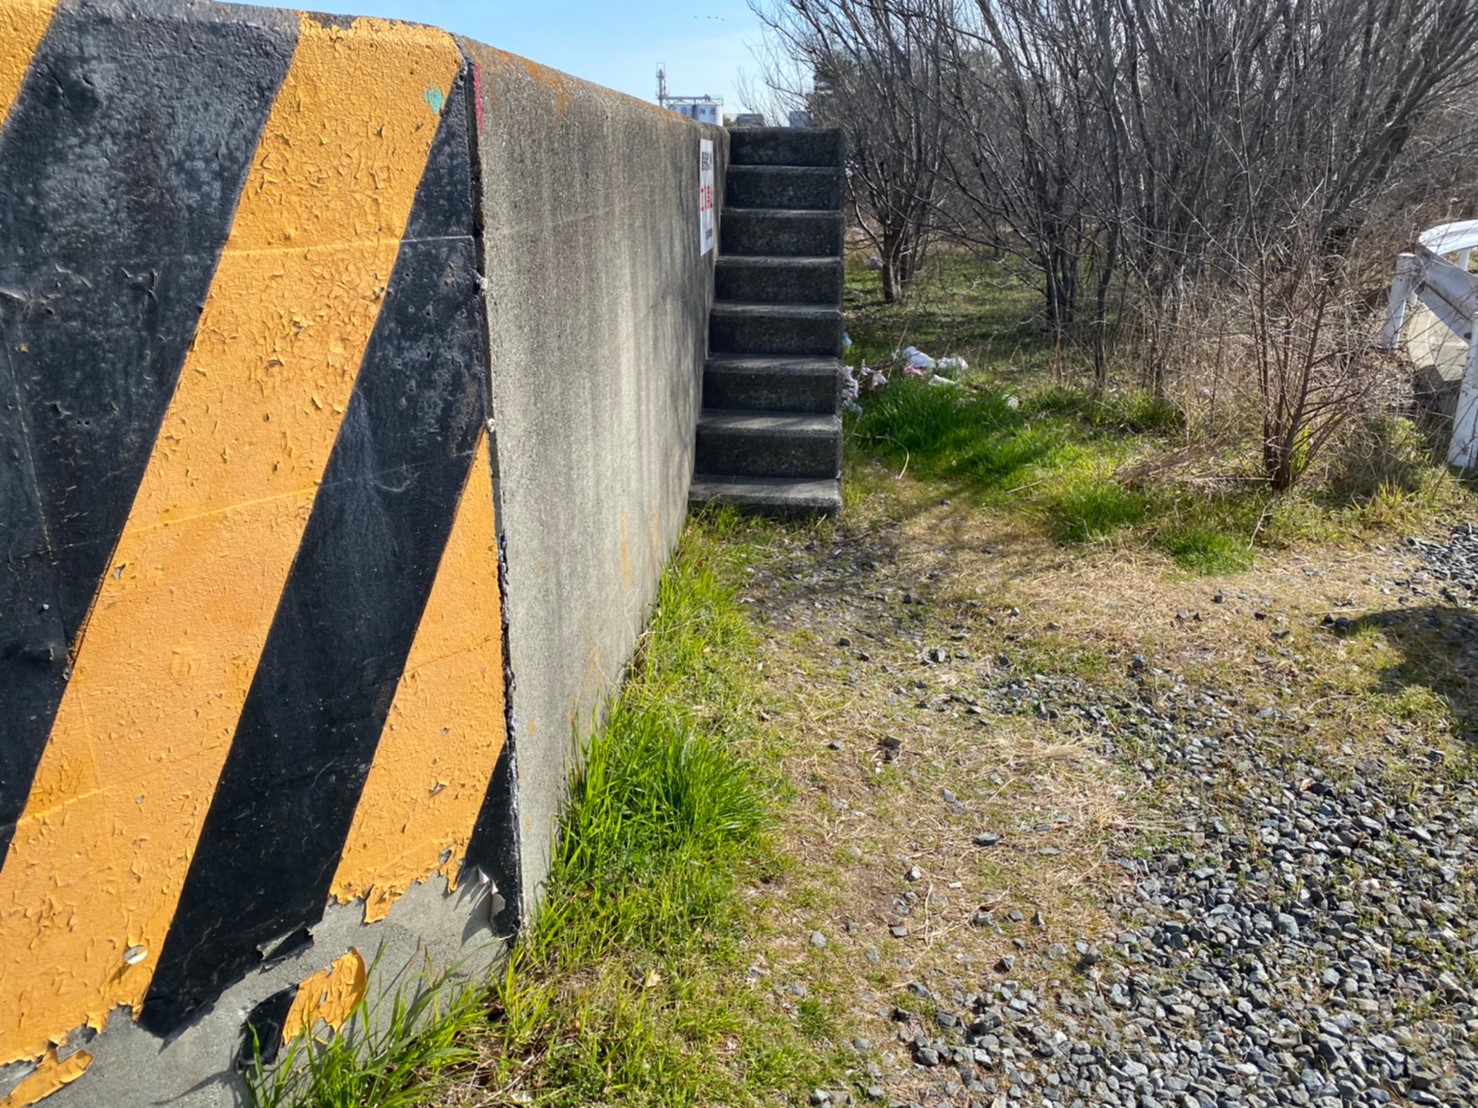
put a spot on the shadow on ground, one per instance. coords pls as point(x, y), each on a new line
point(1438, 645)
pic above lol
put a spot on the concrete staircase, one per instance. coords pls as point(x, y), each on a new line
point(770, 433)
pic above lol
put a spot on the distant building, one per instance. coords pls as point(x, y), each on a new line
point(801, 119)
point(748, 119)
point(701, 109)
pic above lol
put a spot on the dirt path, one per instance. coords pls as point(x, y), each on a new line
point(1077, 828)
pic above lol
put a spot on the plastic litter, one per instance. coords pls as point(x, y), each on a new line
point(856, 381)
point(916, 362)
point(953, 361)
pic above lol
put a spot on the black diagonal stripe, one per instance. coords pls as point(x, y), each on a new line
point(120, 166)
point(349, 611)
point(494, 849)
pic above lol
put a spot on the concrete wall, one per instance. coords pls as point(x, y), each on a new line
point(597, 308)
point(276, 400)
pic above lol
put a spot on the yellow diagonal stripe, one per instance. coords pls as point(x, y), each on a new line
point(446, 725)
point(22, 23)
point(95, 869)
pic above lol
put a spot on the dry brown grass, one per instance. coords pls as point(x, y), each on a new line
point(849, 663)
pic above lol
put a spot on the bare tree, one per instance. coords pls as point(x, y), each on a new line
point(877, 73)
point(1132, 152)
point(1028, 163)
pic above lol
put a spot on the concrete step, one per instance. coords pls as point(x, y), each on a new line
point(776, 231)
point(768, 444)
point(784, 146)
point(809, 187)
point(742, 328)
point(773, 384)
point(773, 496)
point(761, 279)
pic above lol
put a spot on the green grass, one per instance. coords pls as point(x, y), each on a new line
point(960, 305)
point(1207, 549)
point(1121, 466)
point(1091, 511)
point(630, 986)
point(1130, 412)
point(976, 435)
point(389, 1054)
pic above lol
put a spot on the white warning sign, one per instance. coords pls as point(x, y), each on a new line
point(706, 233)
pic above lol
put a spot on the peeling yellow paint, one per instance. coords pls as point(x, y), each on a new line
point(330, 995)
point(102, 848)
point(446, 725)
point(22, 25)
point(49, 1076)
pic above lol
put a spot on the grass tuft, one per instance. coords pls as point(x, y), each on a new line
point(389, 1054)
point(630, 988)
point(1094, 510)
point(980, 436)
point(1208, 550)
point(1018, 440)
point(1136, 412)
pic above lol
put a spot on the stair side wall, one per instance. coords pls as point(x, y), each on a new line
point(597, 305)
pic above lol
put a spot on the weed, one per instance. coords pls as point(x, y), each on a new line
point(1207, 549)
point(1018, 440)
point(1094, 509)
point(389, 1053)
point(958, 305)
point(1133, 412)
point(980, 437)
point(630, 987)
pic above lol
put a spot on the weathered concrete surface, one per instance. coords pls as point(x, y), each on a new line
point(786, 146)
point(782, 233)
point(785, 186)
point(761, 280)
point(772, 384)
point(596, 301)
point(806, 329)
point(428, 931)
point(250, 619)
point(769, 444)
point(782, 497)
point(772, 387)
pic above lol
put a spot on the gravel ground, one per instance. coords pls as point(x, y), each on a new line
point(1314, 947)
point(1308, 937)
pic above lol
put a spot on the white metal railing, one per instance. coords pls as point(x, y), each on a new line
point(1451, 293)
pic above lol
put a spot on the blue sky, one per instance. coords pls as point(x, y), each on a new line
point(617, 44)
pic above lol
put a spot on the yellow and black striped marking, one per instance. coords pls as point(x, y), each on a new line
point(250, 623)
